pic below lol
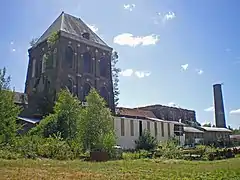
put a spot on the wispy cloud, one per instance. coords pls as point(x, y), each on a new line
point(93, 27)
point(13, 50)
point(129, 7)
point(131, 72)
point(235, 111)
point(184, 67)
point(126, 72)
point(142, 74)
point(210, 109)
point(11, 42)
point(199, 71)
point(163, 17)
point(133, 41)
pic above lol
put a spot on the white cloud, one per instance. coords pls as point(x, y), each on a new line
point(133, 41)
point(93, 28)
point(235, 111)
point(199, 71)
point(129, 7)
point(210, 109)
point(12, 43)
point(13, 50)
point(126, 72)
point(139, 74)
point(172, 104)
point(184, 67)
point(163, 17)
point(142, 74)
point(169, 16)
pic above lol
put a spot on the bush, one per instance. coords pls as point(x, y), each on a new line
point(168, 149)
point(146, 142)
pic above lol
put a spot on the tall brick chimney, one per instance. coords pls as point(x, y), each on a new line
point(219, 106)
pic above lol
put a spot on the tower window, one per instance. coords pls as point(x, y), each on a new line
point(86, 35)
point(103, 67)
point(86, 90)
point(87, 62)
point(69, 56)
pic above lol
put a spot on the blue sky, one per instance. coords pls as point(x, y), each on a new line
point(170, 51)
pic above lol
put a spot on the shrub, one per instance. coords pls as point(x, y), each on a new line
point(168, 149)
point(146, 142)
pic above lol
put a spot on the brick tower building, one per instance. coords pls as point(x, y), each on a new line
point(79, 60)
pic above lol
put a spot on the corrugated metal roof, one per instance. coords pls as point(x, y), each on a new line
point(192, 130)
point(160, 120)
point(216, 129)
point(30, 120)
point(71, 25)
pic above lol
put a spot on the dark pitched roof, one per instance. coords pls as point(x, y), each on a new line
point(72, 26)
point(135, 113)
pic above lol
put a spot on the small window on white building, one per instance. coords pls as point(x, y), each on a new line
point(33, 67)
point(148, 126)
point(155, 129)
point(162, 126)
point(122, 127)
point(131, 128)
point(169, 132)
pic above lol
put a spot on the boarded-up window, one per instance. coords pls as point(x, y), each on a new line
point(155, 129)
point(162, 126)
point(169, 132)
point(131, 128)
point(122, 127)
point(148, 126)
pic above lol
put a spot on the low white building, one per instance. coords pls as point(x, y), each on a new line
point(130, 124)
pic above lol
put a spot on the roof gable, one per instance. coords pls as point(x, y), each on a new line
point(73, 26)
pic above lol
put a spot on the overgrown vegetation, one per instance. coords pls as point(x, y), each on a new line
point(115, 77)
point(8, 110)
point(125, 169)
point(67, 133)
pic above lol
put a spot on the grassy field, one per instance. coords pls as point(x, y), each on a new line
point(124, 169)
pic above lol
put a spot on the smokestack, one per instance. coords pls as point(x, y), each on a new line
point(218, 106)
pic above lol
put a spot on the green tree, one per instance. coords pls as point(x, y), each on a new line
point(146, 141)
point(115, 77)
point(66, 114)
point(96, 128)
point(8, 110)
point(207, 125)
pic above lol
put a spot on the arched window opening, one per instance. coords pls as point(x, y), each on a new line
point(55, 57)
point(104, 94)
point(33, 67)
point(87, 62)
point(86, 90)
point(103, 67)
point(70, 85)
point(69, 56)
point(44, 58)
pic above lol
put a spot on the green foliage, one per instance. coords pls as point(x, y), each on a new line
point(33, 42)
point(67, 113)
point(96, 127)
point(8, 110)
point(52, 39)
point(146, 141)
point(207, 125)
point(115, 76)
point(169, 149)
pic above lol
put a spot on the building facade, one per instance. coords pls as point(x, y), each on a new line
point(80, 60)
point(129, 124)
